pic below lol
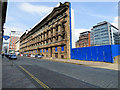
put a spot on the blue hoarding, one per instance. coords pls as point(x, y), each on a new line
point(104, 53)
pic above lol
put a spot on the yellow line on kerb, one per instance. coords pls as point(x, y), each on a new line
point(41, 83)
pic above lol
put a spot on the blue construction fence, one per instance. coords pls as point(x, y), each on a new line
point(105, 53)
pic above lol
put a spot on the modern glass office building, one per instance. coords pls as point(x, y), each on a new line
point(104, 34)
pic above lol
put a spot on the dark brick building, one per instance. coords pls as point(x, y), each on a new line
point(84, 40)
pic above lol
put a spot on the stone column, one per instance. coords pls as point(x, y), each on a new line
point(37, 51)
point(59, 51)
point(39, 38)
point(45, 42)
point(54, 31)
point(49, 41)
point(49, 34)
point(59, 29)
point(49, 51)
point(53, 52)
point(42, 36)
point(42, 43)
point(54, 39)
point(45, 35)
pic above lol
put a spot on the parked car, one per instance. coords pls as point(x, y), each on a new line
point(13, 56)
point(7, 55)
point(32, 55)
point(3, 55)
point(28, 55)
point(24, 54)
point(38, 56)
point(21, 54)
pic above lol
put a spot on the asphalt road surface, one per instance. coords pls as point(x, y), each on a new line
point(37, 73)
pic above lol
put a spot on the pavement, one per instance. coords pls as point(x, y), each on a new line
point(40, 73)
point(0, 71)
point(11, 75)
point(105, 65)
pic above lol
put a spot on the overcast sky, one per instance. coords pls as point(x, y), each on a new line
point(24, 15)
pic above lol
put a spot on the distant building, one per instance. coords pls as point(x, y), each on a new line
point(84, 40)
point(14, 36)
point(17, 46)
point(77, 44)
point(104, 34)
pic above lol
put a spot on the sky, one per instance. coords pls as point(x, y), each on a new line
point(22, 16)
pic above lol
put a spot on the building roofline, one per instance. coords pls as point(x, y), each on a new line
point(47, 15)
point(84, 32)
point(102, 23)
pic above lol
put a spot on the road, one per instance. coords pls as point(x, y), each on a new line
point(37, 73)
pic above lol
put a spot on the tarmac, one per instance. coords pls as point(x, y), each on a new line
point(16, 76)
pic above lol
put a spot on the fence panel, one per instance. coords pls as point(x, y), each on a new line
point(115, 50)
point(94, 53)
point(100, 53)
point(108, 53)
point(88, 52)
point(80, 54)
point(104, 53)
point(84, 53)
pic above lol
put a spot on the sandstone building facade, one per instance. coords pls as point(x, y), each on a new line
point(51, 36)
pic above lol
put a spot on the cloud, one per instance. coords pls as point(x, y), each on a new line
point(90, 12)
point(14, 27)
point(10, 18)
point(100, 16)
point(115, 21)
point(78, 31)
point(116, 7)
point(35, 9)
point(7, 31)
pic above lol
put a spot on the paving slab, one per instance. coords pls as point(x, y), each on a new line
point(112, 66)
point(12, 77)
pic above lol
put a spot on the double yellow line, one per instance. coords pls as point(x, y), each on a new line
point(36, 79)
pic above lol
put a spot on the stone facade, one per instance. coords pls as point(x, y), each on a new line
point(51, 36)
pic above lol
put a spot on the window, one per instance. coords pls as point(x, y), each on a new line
point(40, 50)
point(62, 48)
point(56, 49)
point(63, 37)
point(43, 50)
point(62, 56)
point(47, 50)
